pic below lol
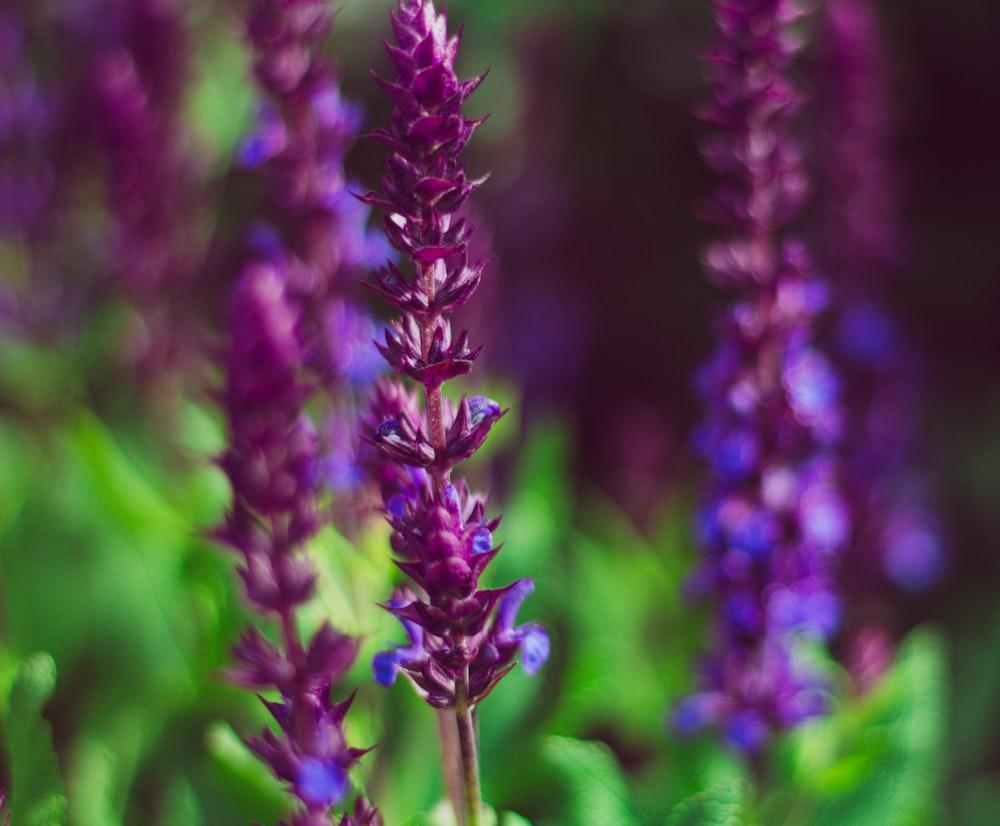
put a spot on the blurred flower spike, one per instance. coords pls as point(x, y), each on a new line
point(773, 522)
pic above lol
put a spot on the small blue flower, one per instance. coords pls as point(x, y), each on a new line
point(811, 382)
point(534, 647)
point(266, 141)
point(912, 554)
point(396, 505)
point(747, 732)
point(737, 455)
point(532, 638)
point(386, 664)
point(481, 408)
point(695, 712)
point(320, 782)
point(867, 336)
point(390, 431)
point(824, 517)
point(482, 542)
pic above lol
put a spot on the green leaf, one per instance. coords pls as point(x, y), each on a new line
point(977, 801)
point(721, 805)
point(245, 778)
point(37, 794)
point(181, 807)
point(620, 628)
point(976, 683)
point(589, 781)
point(880, 762)
point(443, 814)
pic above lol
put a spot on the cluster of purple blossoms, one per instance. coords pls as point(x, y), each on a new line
point(26, 123)
point(33, 297)
point(290, 318)
point(94, 177)
point(773, 522)
point(462, 639)
point(135, 85)
point(896, 534)
point(132, 105)
point(270, 462)
point(304, 128)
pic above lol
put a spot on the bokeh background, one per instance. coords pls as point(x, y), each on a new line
point(594, 316)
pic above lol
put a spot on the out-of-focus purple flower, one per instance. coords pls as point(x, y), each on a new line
point(271, 462)
point(773, 522)
point(304, 129)
point(296, 329)
point(441, 536)
point(897, 537)
point(26, 126)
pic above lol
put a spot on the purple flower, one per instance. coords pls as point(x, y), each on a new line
point(773, 521)
point(897, 541)
point(462, 638)
point(271, 464)
point(387, 664)
point(303, 131)
point(294, 330)
point(320, 782)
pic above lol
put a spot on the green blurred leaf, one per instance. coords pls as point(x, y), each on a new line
point(443, 814)
point(720, 805)
point(220, 105)
point(37, 794)
point(879, 762)
point(123, 491)
point(620, 627)
point(977, 802)
point(21, 464)
point(589, 782)
point(181, 806)
point(976, 707)
point(244, 777)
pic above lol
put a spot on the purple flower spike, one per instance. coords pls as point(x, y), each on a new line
point(898, 542)
point(441, 536)
point(774, 520)
point(294, 330)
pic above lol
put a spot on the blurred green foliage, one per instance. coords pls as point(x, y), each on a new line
point(105, 568)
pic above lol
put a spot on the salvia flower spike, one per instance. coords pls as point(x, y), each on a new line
point(898, 538)
point(462, 639)
point(270, 462)
point(279, 325)
point(773, 521)
point(303, 130)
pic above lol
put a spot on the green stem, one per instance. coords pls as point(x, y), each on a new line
point(469, 751)
point(451, 761)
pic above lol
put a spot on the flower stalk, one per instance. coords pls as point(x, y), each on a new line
point(462, 639)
